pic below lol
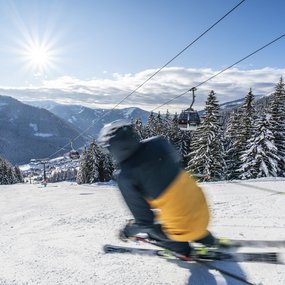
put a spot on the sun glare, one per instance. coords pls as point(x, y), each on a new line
point(39, 56)
point(38, 48)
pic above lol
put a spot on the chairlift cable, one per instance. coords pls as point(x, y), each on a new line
point(182, 94)
point(149, 78)
point(178, 54)
point(220, 72)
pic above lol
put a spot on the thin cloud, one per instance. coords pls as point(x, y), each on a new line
point(169, 83)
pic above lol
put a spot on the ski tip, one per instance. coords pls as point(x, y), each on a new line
point(107, 248)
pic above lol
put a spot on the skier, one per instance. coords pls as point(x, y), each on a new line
point(167, 204)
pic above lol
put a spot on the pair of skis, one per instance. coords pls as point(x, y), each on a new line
point(208, 254)
point(203, 255)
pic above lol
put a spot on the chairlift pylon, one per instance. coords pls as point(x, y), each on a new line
point(189, 119)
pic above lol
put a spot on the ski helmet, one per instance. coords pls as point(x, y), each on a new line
point(120, 138)
point(109, 131)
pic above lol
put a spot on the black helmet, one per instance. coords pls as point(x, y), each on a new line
point(109, 131)
point(120, 138)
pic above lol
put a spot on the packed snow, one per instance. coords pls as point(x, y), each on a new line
point(55, 234)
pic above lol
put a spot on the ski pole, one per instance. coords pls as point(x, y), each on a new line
point(230, 274)
point(205, 263)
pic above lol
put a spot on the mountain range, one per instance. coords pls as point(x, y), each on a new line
point(41, 129)
point(27, 132)
point(88, 120)
point(46, 128)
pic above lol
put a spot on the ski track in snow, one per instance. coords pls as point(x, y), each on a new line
point(54, 235)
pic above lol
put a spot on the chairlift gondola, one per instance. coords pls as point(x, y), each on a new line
point(73, 154)
point(189, 119)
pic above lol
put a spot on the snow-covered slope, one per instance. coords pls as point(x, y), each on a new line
point(54, 235)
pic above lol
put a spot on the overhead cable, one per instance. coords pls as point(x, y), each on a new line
point(220, 72)
point(149, 78)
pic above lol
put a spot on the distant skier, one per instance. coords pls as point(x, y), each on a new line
point(165, 201)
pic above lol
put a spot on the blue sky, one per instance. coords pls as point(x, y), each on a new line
point(95, 52)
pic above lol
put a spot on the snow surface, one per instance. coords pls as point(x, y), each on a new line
point(128, 112)
point(37, 134)
point(44, 135)
point(54, 235)
point(34, 127)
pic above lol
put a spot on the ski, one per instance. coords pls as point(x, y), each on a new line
point(200, 254)
point(229, 243)
point(171, 255)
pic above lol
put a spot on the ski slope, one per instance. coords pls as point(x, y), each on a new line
point(54, 235)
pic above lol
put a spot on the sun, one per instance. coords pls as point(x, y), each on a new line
point(39, 56)
point(39, 50)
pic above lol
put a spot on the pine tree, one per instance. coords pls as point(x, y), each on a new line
point(207, 153)
point(174, 134)
point(94, 158)
point(106, 168)
point(18, 174)
point(59, 175)
point(167, 124)
point(277, 123)
point(7, 173)
point(260, 158)
point(185, 145)
point(231, 133)
point(238, 132)
point(95, 165)
point(149, 128)
point(82, 174)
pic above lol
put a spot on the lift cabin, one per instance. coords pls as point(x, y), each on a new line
point(189, 119)
point(73, 154)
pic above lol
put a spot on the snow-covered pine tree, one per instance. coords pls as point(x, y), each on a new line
point(94, 158)
point(160, 126)
point(149, 128)
point(106, 167)
point(7, 174)
point(207, 152)
point(18, 174)
point(232, 133)
point(167, 124)
point(82, 174)
point(238, 132)
point(185, 145)
point(95, 165)
point(277, 123)
point(71, 174)
point(58, 175)
point(174, 134)
point(260, 158)
point(180, 139)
